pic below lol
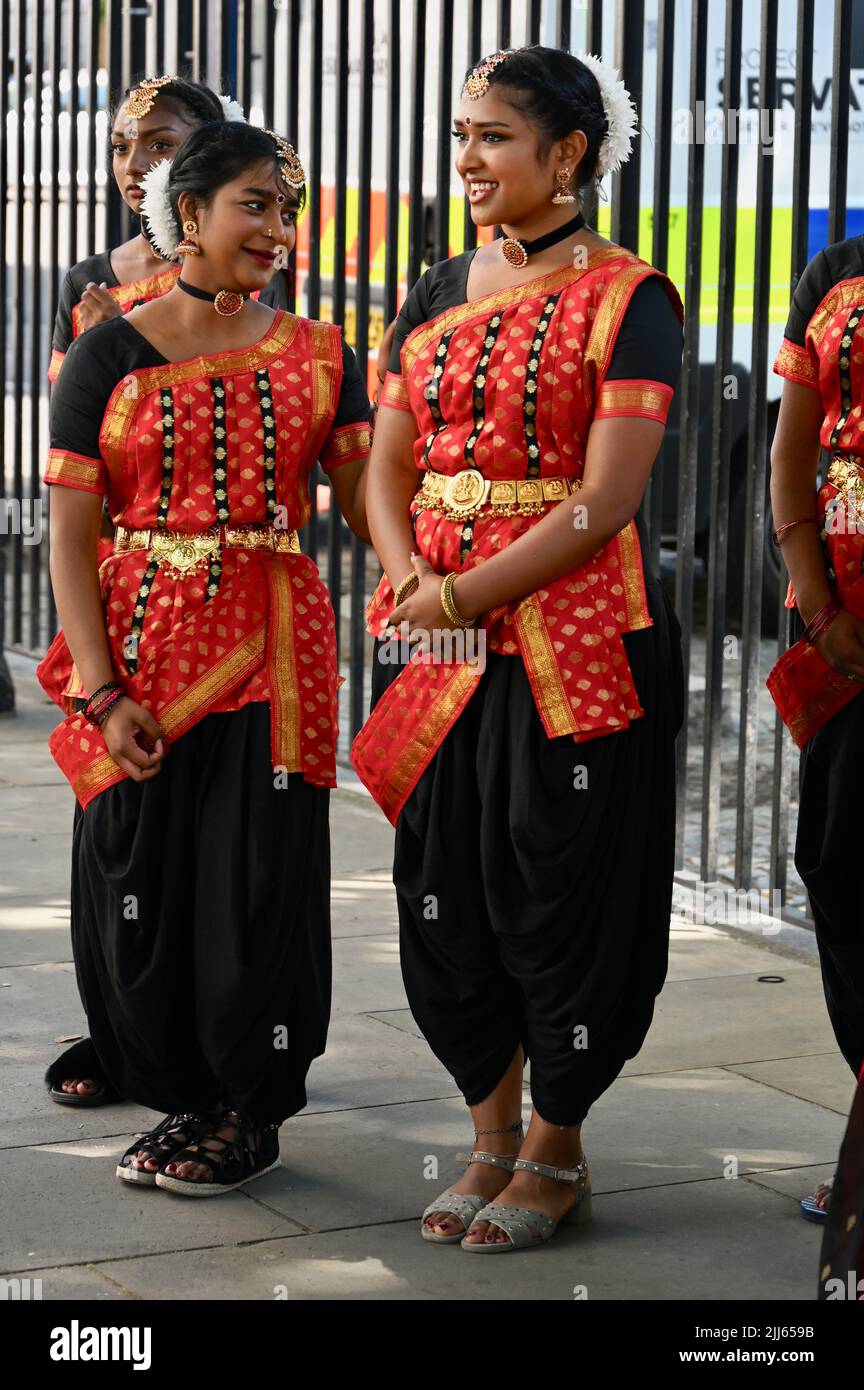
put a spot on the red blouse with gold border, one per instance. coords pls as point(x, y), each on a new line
point(511, 384)
point(186, 446)
point(823, 350)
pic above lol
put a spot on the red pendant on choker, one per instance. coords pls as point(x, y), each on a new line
point(516, 252)
point(225, 302)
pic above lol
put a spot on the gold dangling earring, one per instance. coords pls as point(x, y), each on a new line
point(188, 247)
point(562, 192)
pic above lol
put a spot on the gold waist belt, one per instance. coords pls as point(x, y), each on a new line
point(468, 493)
point(181, 552)
point(846, 472)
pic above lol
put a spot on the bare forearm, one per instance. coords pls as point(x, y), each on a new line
point(388, 498)
point(559, 543)
point(75, 579)
point(793, 495)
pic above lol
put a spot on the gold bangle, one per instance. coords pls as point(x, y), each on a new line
point(407, 586)
point(451, 612)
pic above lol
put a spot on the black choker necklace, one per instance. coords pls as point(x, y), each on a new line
point(226, 302)
point(517, 252)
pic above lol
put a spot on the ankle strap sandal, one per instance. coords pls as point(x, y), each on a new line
point(465, 1205)
point(526, 1226)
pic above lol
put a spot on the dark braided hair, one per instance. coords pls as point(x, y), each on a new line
point(215, 153)
point(558, 94)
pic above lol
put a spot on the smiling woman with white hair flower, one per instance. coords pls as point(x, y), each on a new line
point(533, 793)
point(203, 754)
point(148, 126)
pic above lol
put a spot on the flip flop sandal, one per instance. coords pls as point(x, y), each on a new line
point(464, 1205)
point(527, 1227)
point(232, 1167)
point(80, 1060)
point(162, 1143)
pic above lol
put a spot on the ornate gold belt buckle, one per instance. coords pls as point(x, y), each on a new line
point(466, 490)
point(846, 477)
point(178, 554)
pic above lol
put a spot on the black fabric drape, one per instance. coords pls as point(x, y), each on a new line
point(827, 851)
point(201, 925)
point(530, 909)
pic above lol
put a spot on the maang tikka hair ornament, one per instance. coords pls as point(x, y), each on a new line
point(140, 100)
point(291, 169)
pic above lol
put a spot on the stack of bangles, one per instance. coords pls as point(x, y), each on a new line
point(451, 612)
point(777, 536)
point(821, 622)
point(407, 586)
point(101, 702)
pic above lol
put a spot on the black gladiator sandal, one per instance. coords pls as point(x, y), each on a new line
point(161, 1143)
point(254, 1152)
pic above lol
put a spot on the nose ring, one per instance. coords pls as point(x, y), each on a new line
point(270, 233)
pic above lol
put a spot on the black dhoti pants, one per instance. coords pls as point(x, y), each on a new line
point(531, 911)
point(201, 925)
point(827, 853)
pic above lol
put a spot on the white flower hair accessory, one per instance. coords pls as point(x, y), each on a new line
point(621, 115)
point(233, 110)
point(156, 207)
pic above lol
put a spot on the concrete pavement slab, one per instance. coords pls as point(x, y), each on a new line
point(710, 1240)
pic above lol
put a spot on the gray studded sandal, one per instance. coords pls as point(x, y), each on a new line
point(527, 1227)
point(464, 1205)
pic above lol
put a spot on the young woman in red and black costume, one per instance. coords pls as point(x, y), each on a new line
point(203, 756)
point(149, 124)
point(533, 795)
point(816, 684)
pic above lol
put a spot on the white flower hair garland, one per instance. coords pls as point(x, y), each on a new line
point(156, 205)
point(233, 110)
point(621, 115)
point(156, 208)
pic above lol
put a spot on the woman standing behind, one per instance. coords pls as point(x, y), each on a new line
point(533, 792)
point(817, 683)
point(203, 757)
point(149, 125)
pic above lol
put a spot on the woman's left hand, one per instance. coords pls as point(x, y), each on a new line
point(422, 609)
point(96, 305)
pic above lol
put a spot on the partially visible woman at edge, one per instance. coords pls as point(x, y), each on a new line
point(816, 684)
point(149, 125)
point(533, 791)
point(203, 757)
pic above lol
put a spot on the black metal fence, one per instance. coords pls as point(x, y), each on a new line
point(365, 89)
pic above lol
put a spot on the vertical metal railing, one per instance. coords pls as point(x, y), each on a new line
point(757, 449)
point(688, 461)
point(721, 450)
point(365, 89)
